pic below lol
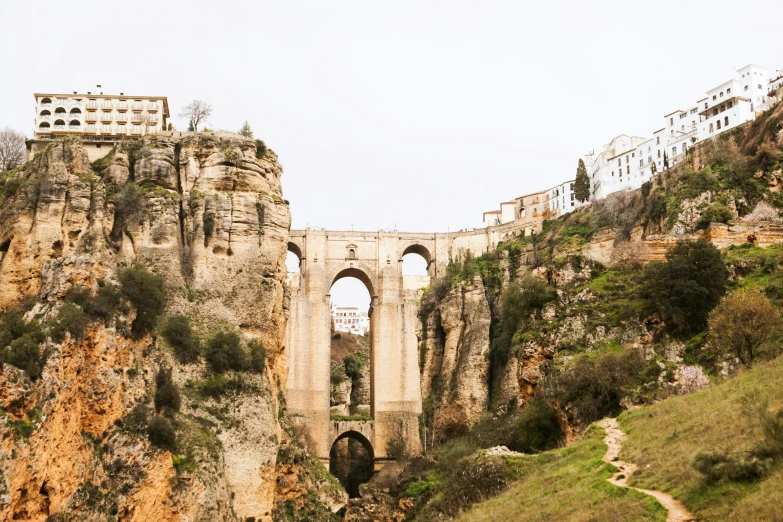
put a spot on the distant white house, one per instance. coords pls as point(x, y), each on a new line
point(350, 319)
point(626, 162)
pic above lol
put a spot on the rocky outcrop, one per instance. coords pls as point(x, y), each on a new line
point(462, 369)
point(206, 214)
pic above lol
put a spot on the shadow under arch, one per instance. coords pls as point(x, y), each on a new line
point(294, 249)
point(350, 464)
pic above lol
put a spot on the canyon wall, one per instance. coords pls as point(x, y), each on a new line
point(206, 214)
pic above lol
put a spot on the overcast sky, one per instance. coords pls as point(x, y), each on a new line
point(415, 115)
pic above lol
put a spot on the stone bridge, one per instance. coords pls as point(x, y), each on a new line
point(374, 258)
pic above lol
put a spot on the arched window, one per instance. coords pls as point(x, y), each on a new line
point(351, 253)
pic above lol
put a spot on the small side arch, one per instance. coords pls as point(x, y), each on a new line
point(294, 248)
point(356, 436)
point(420, 250)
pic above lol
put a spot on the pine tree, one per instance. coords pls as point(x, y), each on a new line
point(246, 131)
point(665, 161)
point(582, 183)
point(191, 127)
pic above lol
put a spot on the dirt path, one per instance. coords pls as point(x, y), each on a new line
point(614, 439)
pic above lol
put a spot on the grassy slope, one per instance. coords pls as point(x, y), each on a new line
point(568, 484)
point(663, 438)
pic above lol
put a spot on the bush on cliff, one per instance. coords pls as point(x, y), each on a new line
point(147, 294)
point(687, 286)
point(715, 213)
point(518, 302)
point(70, 319)
point(257, 356)
point(225, 352)
point(25, 354)
point(179, 334)
point(167, 398)
point(161, 433)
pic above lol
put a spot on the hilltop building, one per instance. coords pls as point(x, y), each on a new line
point(626, 162)
point(350, 319)
point(100, 119)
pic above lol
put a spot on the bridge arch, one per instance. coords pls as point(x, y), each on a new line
point(358, 272)
point(351, 460)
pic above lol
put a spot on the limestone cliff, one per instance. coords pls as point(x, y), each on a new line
point(205, 212)
point(455, 365)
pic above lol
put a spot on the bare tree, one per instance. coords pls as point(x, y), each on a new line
point(12, 149)
point(196, 113)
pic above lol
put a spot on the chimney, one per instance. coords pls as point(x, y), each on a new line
point(122, 94)
point(74, 92)
point(89, 92)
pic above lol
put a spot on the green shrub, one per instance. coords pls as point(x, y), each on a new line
point(337, 374)
point(161, 433)
point(181, 337)
point(717, 466)
point(538, 428)
point(137, 420)
point(70, 319)
point(593, 388)
point(147, 294)
point(25, 354)
point(354, 362)
point(518, 302)
point(167, 398)
point(225, 352)
point(260, 149)
point(715, 213)
point(104, 303)
point(257, 356)
point(13, 326)
point(216, 386)
point(687, 286)
point(78, 295)
point(129, 207)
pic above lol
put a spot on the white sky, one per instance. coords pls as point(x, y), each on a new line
point(414, 115)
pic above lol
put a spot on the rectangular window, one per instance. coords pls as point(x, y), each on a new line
point(137, 104)
point(137, 129)
point(659, 153)
point(154, 116)
point(106, 104)
point(106, 115)
point(641, 162)
point(90, 127)
point(674, 151)
point(726, 121)
point(657, 140)
point(627, 169)
point(152, 104)
point(728, 91)
point(121, 128)
point(684, 148)
point(92, 104)
point(619, 162)
point(106, 128)
point(718, 124)
point(123, 104)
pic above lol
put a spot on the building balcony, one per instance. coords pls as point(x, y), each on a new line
point(74, 127)
point(91, 116)
point(136, 119)
point(59, 127)
point(45, 104)
point(44, 117)
point(92, 105)
point(122, 117)
point(107, 116)
point(152, 107)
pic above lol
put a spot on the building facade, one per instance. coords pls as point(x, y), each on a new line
point(627, 162)
point(100, 119)
point(350, 319)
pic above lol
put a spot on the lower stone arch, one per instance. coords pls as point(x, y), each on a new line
point(356, 467)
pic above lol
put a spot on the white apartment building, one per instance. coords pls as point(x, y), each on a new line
point(350, 319)
point(98, 118)
point(627, 162)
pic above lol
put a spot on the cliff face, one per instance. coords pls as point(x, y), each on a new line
point(206, 214)
point(455, 362)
